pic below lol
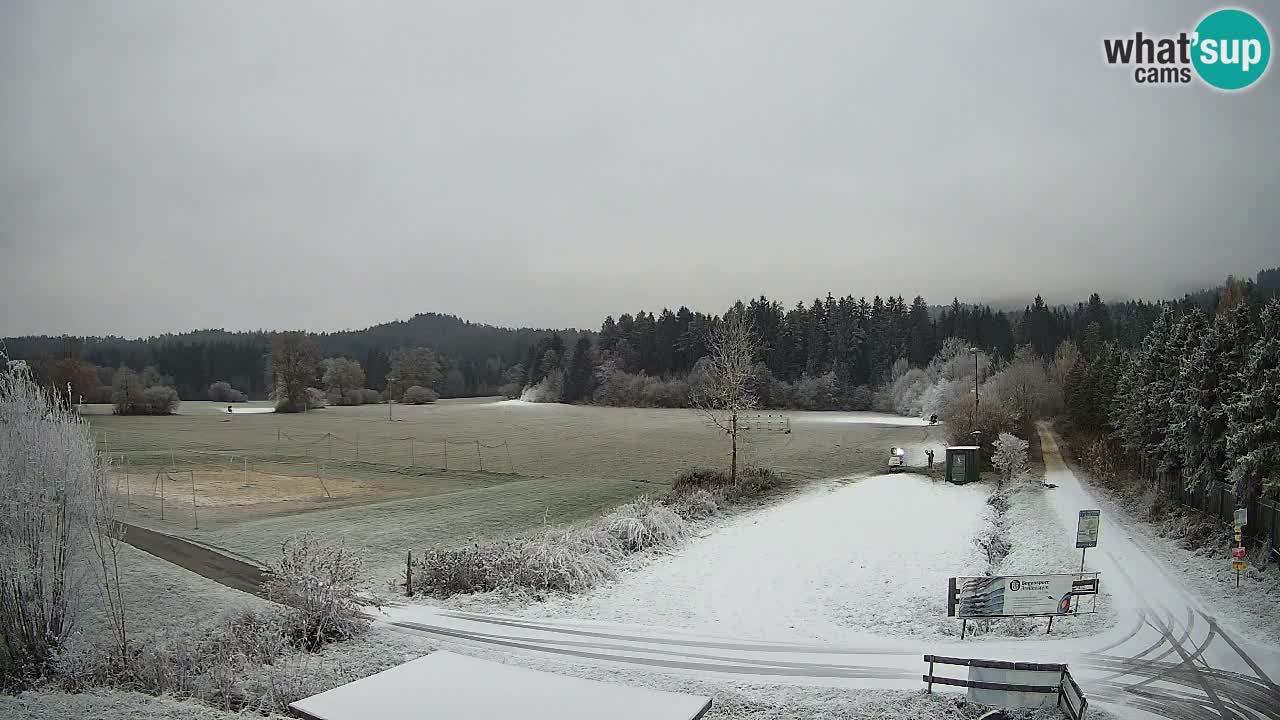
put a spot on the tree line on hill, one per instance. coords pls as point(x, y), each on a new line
point(1198, 395)
point(472, 358)
point(834, 353)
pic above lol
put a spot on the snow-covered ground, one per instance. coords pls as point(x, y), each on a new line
point(1041, 544)
point(844, 559)
point(1170, 654)
point(864, 418)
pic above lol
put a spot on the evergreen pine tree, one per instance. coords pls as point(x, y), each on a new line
point(577, 384)
point(1253, 440)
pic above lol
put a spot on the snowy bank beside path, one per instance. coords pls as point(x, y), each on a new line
point(1040, 544)
point(843, 560)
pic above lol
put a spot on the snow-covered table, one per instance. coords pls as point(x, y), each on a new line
point(446, 685)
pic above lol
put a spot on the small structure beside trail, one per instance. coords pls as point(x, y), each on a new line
point(962, 464)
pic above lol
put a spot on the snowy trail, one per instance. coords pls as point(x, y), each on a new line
point(1167, 657)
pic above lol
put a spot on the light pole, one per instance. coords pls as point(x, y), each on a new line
point(390, 397)
point(975, 352)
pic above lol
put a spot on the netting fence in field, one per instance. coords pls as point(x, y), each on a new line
point(761, 422)
point(178, 484)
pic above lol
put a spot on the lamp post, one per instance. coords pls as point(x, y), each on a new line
point(390, 397)
point(975, 352)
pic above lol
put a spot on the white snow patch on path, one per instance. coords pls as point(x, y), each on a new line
point(839, 562)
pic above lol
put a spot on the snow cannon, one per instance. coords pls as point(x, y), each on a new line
point(896, 457)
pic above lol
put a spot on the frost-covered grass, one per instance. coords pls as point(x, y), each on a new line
point(573, 463)
point(260, 688)
point(554, 560)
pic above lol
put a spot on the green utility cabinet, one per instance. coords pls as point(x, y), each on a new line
point(962, 464)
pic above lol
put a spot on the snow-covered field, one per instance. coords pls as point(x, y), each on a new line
point(842, 560)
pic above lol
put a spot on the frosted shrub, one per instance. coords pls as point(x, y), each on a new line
point(641, 525)
point(222, 391)
point(316, 398)
point(418, 395)
point(549, 389)
point(694, 504)
point(1011, 456)
point(160, 400)
point(318, 584)
point(56, 522)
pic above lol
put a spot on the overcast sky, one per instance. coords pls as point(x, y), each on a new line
point(175, 165)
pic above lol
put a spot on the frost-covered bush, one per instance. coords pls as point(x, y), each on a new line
point(316, 398)
point(710, 479)
point(369, 397)
point(694, 504)
point(555, 560)
point(908, 392)
point(318, 584)
point(57, 521)
point(418, 395)
point(549, 389)
point(160, 400)
point(1010, 457)
point(222, 391)
point(641, 525)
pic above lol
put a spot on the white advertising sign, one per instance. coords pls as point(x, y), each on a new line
point(1014, 595)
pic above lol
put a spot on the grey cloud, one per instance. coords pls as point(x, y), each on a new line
point(167, 165)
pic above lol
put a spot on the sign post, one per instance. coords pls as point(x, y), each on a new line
point(1087, 532)
point(1237, 553)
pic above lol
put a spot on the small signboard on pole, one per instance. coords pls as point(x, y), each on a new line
point(1242, 517)
point(1087, 532)
point(1087, 528)
point(1238, 563)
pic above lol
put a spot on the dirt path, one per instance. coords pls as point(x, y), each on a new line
point(201, 560)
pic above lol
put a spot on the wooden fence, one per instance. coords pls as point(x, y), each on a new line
point(1218, 499)
point(1069, 698)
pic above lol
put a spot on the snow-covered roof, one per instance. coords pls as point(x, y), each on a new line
point(963, 447)
point(447, 685)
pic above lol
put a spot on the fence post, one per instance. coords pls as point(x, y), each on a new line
point(445, 443)
point(479, 458)
point(128, 499)
point(195, 517)
point(930, 689)
point(413, 456)
point(408, 575)
point(161, 479)
point(246, 469)
point(357, 445)
point(507, 445)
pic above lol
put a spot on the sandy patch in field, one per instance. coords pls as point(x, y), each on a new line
point(228, 488)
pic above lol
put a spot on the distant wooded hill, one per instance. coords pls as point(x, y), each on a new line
point(855, 338)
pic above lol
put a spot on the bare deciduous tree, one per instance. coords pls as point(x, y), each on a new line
point(724, 392)
point(293, 366)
